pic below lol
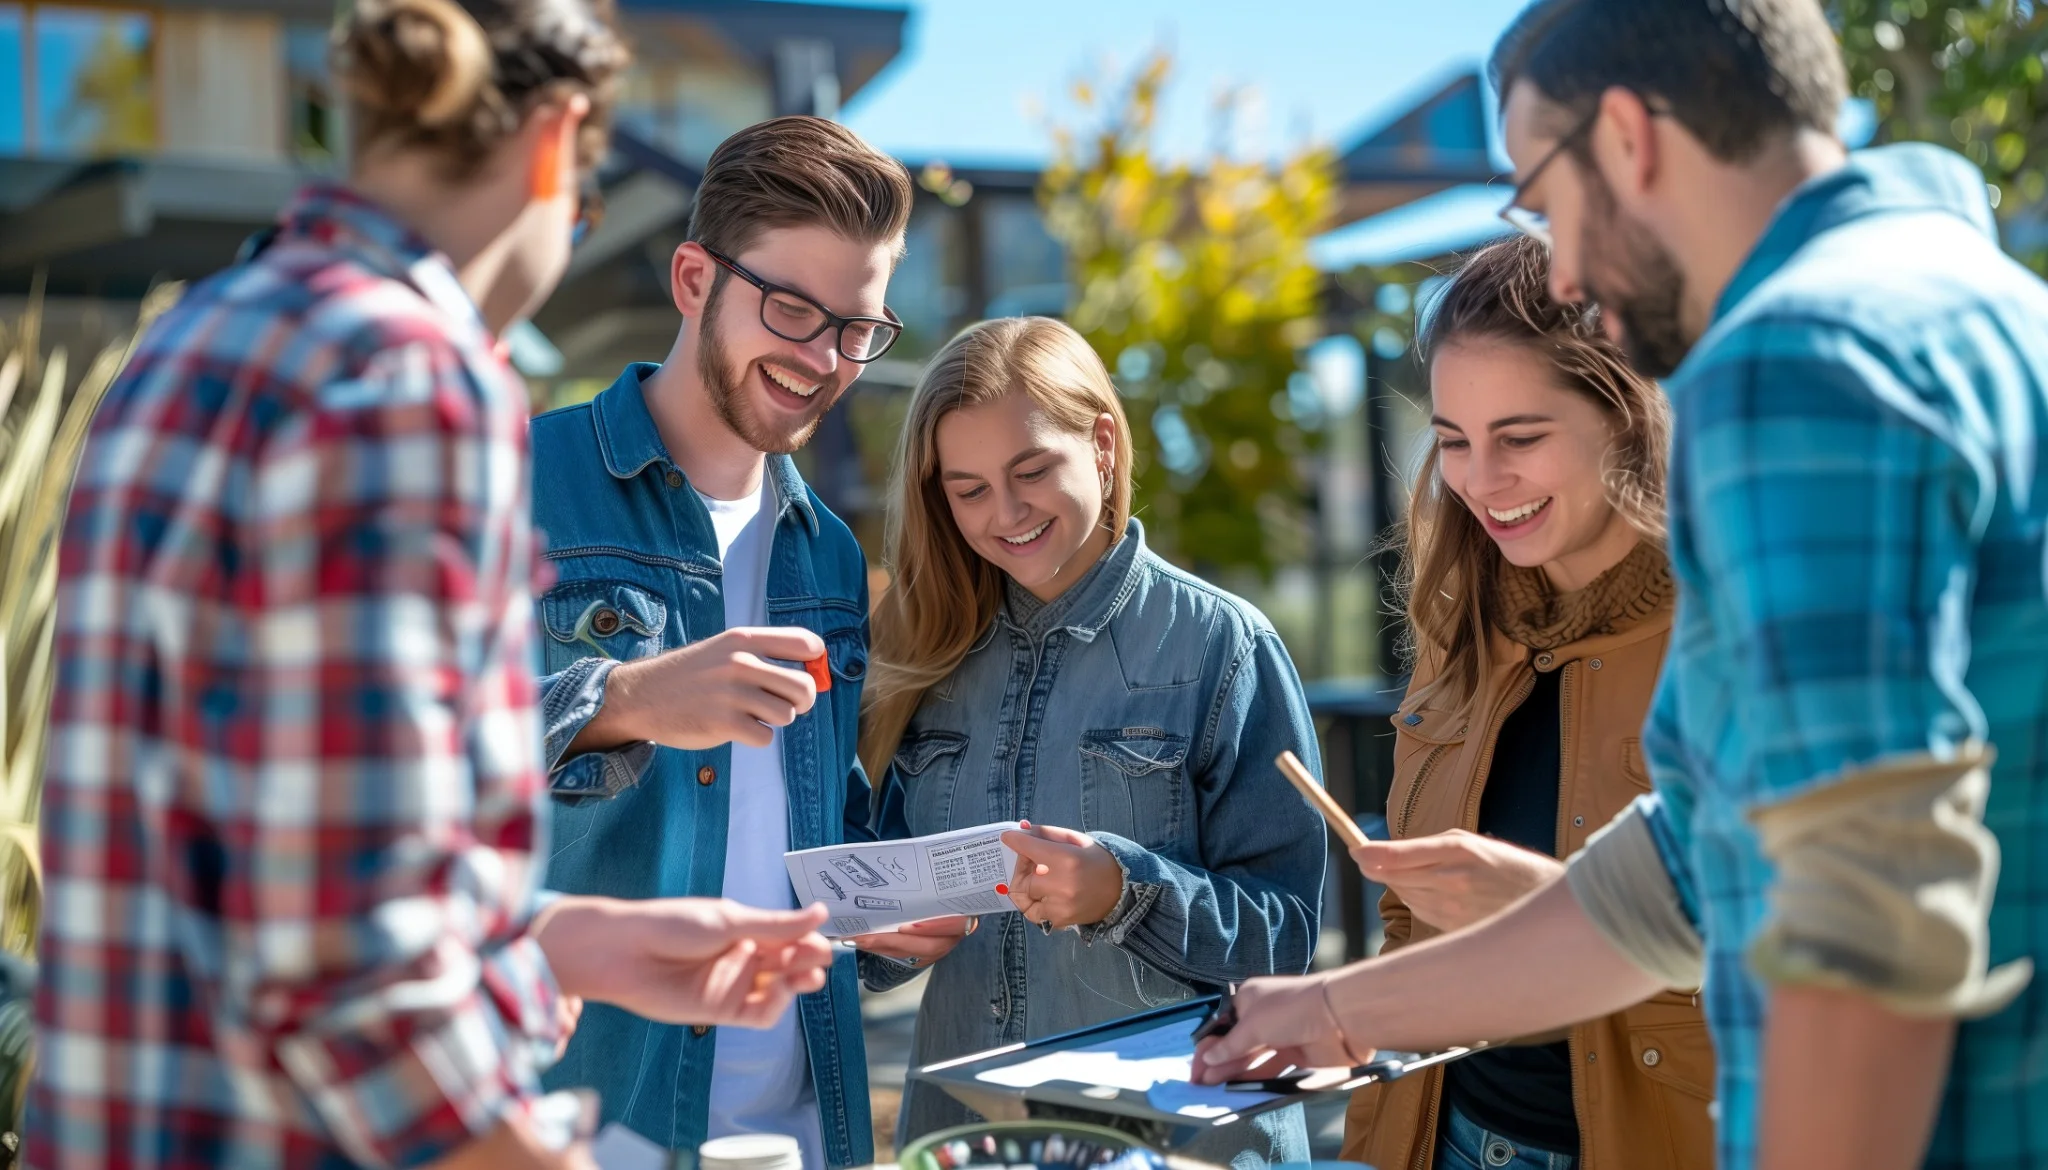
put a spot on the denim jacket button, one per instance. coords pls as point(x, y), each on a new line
point(700, 1030)
point(707, 775)
point(675, 478)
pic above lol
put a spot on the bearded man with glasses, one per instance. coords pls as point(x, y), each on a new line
point(1846, 744)
point(696, 574)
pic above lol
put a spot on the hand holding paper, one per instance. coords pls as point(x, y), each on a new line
point(871, 888)
point(1062, 878)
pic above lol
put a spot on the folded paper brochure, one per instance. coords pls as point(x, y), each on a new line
point(879, 886)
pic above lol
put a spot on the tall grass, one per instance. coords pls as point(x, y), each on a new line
point(44, 413)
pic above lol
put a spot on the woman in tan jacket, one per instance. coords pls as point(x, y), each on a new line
point(1539, 604)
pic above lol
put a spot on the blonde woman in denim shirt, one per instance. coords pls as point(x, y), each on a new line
point(1034, 661)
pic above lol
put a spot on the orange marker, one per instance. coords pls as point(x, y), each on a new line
point(820, 671)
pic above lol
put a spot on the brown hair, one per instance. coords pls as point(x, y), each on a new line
point(799, 171)
point(1736, 75)
point(457, 77)
point(944, 594)
point(1448, 562)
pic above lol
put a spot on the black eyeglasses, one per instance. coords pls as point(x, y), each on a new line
point(792, 316)
point(1535, 223)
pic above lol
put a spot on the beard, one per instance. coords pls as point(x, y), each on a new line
point(731, 396)
point(1626, 255)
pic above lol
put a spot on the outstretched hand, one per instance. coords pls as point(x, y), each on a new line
point(686, 960)
point(1063, 878)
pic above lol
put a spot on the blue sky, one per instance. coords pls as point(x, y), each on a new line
point(973, 71)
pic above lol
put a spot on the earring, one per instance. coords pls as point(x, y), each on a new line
point(1108, 483)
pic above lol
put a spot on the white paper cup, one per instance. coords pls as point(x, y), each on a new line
point(751, 1151)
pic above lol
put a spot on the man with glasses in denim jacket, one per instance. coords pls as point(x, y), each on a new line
point(697, 574)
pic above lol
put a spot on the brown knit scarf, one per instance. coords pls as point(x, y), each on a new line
point(1535, 615)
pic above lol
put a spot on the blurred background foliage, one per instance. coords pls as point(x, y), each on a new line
point(1193, 281)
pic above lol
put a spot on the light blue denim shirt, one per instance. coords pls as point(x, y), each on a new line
point(1145, 707)
point(638, 573)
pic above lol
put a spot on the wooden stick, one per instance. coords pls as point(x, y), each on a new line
point(1340, 822)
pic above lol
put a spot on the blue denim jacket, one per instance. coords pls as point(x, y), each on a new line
point(638, 573)
point(1145, 707)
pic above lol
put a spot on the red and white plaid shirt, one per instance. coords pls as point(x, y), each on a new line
point(292, 820)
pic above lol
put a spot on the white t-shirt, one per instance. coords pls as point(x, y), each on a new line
point(760, 1080)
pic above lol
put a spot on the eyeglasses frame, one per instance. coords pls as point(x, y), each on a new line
point(831, 320)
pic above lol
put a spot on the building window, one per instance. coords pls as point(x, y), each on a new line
point(90, 80)
point(76, 81)
point(315, 125)
point(14, 95)
point(687, 102)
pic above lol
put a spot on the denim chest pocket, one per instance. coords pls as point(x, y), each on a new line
point(1134, 784)
point(601, 619)
point(927, 764)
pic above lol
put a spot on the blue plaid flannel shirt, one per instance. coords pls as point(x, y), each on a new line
point(1858, 503)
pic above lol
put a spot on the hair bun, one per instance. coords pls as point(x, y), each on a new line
point(423, 59)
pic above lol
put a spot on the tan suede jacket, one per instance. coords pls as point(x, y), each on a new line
point(1642, 1078)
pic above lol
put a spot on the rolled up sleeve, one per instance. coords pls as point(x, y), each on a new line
point(1834, 519)
point(569, 699)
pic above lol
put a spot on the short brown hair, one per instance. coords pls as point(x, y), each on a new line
point(799, 171)
point(457, 77)
point(1735, 73)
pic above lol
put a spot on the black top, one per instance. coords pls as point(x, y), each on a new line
point(1523, 1094)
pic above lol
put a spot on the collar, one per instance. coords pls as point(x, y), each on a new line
point(1096, 598)
point(1901, 178)
point(627, 438)
point(336, 217)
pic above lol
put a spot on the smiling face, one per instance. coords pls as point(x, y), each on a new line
point(1527, 456)
point(1025, 493)
point(772, 392)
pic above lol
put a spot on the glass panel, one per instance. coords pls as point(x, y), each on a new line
point(13, 115)
point(310, 92)
point(927, 289)
point(1026, 269)
point(688, 107)
point(95, 85)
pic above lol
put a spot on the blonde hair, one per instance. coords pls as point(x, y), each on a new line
point(944, 594)
point(1448, 563)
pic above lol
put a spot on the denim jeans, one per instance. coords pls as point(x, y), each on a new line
point(1464, 1146)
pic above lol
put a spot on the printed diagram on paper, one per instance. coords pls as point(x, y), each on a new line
point(881, 886)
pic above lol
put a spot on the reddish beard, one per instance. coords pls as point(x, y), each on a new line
point(731, 397)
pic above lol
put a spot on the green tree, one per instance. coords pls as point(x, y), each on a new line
point(111, 109)
point(1194, 284)
point(1967, 76)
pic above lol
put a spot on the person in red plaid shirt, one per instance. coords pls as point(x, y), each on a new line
point(292, 824)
